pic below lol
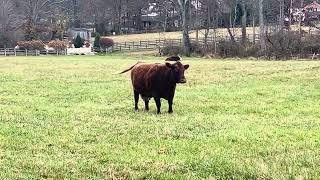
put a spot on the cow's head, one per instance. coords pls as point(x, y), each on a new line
point(178, 71)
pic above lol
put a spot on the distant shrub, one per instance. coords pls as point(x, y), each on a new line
point(97, 39)
point(171, 50)
point(87, 44)
point(106, 43)
point(279, 45)
point(197, 49)
point(284, 45)
point(78, 42)
point(57, 45)
point(31, 45)
point(311, 44)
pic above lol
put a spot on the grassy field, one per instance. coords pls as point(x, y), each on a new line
point(72, 117)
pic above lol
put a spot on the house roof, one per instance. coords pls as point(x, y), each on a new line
point(79, 29)
point(313, 5)
point(297, 3)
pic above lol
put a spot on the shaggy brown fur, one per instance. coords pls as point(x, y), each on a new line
point(156, 81)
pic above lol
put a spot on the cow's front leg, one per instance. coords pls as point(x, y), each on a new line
point(170, 102)
point(158, 103)
point(146, 104)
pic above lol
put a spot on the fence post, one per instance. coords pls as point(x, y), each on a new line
point(15, 52)
point(5, 51)
point(26, 52)
point(57, 52)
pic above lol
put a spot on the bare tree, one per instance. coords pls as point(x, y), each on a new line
point(35, 10)
point(9, 22)
point(300, 14)
point(281, 19)
point(254, 12)
point(166, 8)
point(185, 14)
point(262, 27)
point(244, 21)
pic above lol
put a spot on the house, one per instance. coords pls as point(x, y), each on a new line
point(84, 33)
point(151, 19)
point(296, 11)
point(312, 10)
point(312, 7)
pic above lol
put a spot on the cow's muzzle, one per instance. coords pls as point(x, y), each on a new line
point(182, 80)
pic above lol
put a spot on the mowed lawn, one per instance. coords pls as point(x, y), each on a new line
point(73, 117)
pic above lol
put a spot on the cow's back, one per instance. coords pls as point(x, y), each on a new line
point(140, 78)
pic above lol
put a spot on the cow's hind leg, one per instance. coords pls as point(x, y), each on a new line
point(146, 102)
point(170, 102)
point(136, 100)
point(158, 103)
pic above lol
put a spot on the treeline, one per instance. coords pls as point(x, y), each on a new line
point(49, 19)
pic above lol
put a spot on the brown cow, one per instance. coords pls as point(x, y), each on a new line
point(156, 81)
point(174, 58)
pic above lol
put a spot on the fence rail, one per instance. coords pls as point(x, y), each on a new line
point(18, 52)
point(156, 44)
point(129, 46)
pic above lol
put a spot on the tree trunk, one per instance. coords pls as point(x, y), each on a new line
point(207, 30)
point(119, 16)
point(197, 22)
point(244, 22)
point(165, 26)
point(290, 14)
point(254, 22)
point(300, 16)
point(262, 27)
point(281, 19)
point(231, 35)
point(185, 12)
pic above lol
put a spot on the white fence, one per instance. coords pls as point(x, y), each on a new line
point(18, 52)
point(80, 51)
point(69, 51)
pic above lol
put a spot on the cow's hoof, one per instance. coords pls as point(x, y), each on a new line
point(170, 112)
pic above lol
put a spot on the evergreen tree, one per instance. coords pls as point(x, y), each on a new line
point(78, 42)
point(96, 43)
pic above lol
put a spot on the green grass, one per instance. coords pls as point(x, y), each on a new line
point(72, 117)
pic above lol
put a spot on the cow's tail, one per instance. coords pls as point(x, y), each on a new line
point(129, 68)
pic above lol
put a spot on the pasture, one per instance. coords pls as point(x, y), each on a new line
point(72, 117)
point(220, 32)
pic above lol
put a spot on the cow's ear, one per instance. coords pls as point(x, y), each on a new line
point(186, 66)
point(168, 65)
